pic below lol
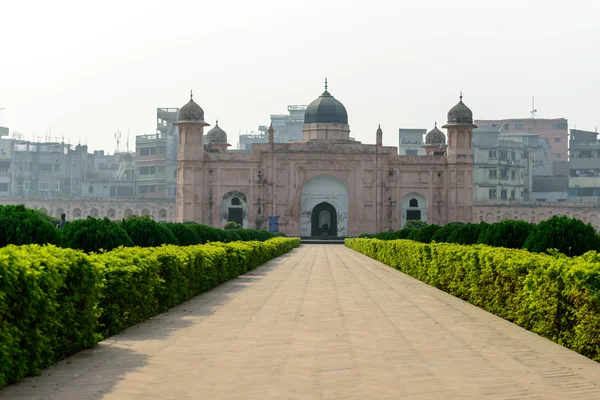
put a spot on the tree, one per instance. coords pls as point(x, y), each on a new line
point(569, 236)
point(185, 235)
point(93, 234)
point(20, 225)
point(425, 234)
point(467, 233)
point(145, 232)
point(508, 233)
point(232, 225)
point(442, 234)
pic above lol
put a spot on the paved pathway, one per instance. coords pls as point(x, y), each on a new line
point(321, 322)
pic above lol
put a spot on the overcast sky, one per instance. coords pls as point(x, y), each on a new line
point(87, 71)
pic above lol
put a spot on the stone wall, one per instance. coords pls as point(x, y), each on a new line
point(77, 208)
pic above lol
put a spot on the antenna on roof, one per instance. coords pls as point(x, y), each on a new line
point(118, 137)
point(533, 110)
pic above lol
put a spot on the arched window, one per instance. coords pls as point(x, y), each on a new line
point(235, 201)
point(413, 203)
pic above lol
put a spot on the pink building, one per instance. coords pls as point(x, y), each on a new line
point(325, 183)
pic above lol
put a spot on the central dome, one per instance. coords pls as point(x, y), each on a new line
point(326, 110)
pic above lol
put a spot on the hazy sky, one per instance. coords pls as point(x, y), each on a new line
point(85, 71)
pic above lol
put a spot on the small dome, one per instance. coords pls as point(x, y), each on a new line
point(216, 135)
point(460, 114)
point(435, 136)
point(191, 111)
point(326, 109)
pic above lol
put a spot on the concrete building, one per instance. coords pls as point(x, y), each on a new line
point(288, 128)
point(156, 158)
point(584, 168)
point(48, 169)
point(410, 141)
point(113, 175)
point(6, 167)
point(325, 183)
point(556, 131)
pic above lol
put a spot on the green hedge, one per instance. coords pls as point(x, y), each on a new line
point(55, 302)
point(552, 295)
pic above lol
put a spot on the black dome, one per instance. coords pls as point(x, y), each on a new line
point(191, 112)
point(216, 135)
point(435, 136)
point(460, 114)
point(326, 109)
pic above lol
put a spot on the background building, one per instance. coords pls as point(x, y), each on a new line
point(411, 142)
point(556, 131)
point(584, 166)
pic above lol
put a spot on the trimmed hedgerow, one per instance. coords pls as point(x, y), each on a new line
point(183, 233)
point(145, 232)
point(552, 295)
point(55, 302)
point(569, 236)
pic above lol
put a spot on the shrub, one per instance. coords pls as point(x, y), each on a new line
point(404, 233)
point(555, 297)
point(415, 223)
point(48, 307)
point(467, 233)
point(570, 236)
point(91, 235)
point(508, 233)
point(232, 225)
point(185, 235)
point(145, 232)
point(324, 236)
point(230, 236)
point(19, 225)
point(206, 233)
point(442, 234)
point(424, 234)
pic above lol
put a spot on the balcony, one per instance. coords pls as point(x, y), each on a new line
point(584, 163)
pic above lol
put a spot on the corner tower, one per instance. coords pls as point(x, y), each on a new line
point(460, 163)
point(189, 159)
point(326, 119)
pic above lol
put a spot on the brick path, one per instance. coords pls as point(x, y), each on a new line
point(321, 322)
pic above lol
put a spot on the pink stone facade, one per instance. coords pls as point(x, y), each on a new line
point(355, 188)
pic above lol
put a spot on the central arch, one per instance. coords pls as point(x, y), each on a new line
point(323, 220)
point(324, 193)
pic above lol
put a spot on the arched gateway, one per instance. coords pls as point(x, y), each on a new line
point(324, 207)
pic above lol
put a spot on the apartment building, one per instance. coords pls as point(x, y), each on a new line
point(410, 142)
point(584, 166)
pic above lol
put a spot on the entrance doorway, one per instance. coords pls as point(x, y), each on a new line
point(324, 220)
point(236, 214)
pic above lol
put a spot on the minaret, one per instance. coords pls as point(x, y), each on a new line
point(459, 200)
point(189, 158)
point(271, 134)
point(379, 136)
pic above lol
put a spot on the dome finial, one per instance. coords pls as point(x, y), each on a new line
point(191, 95)
point(217, 122)
point(325, 83)
point(436, 124)
point(461, 95)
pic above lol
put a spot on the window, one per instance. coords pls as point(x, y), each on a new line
point(413, 203)
point(162, 150)
point(147, 151)
point(492, 154)
point(4, 166)
point(160, 188)
point(493, 193)
point(556, 140)
point(160, 169)
point(513, 195)
point(513, 156)
point(506, 126)
point(26, 185)
point(46, 167)
point(3, 187)
point(518, 126)
point(512, 175)
point(174, 173)
point(235, 201)
point(504, 173)
point(56, 167)
point(556, 155)
point(503, 194)
point(146, 189)
point(560, 127)
point(45, 186)
point(57, 186)
point(147, 170)
point(503, 155)
point(412, 152)
point(492, 173)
